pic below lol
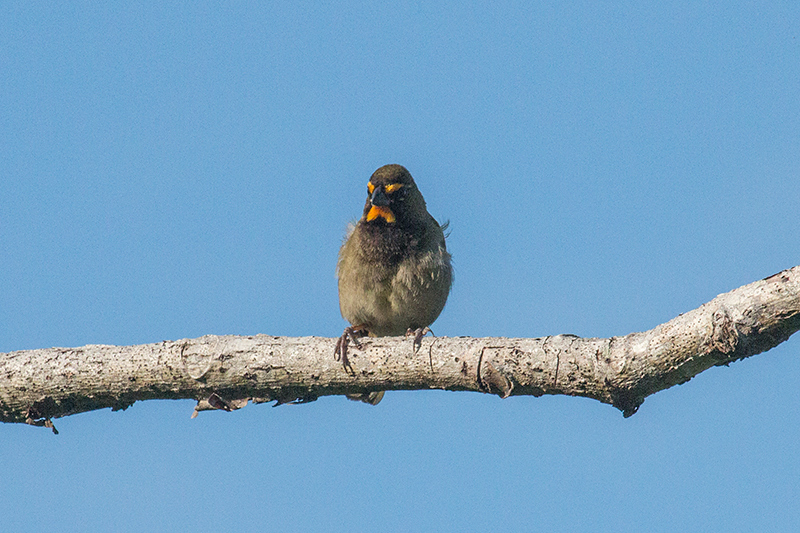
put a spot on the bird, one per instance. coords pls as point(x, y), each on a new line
point(394, 271)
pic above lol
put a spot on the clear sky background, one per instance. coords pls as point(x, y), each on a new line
point(174, 171)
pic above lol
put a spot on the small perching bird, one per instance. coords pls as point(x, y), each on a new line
point(394, 270)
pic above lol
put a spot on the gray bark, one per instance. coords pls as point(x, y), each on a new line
point(225, 372)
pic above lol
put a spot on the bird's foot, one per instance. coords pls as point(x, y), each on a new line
point(418, 334)
point(340, 353)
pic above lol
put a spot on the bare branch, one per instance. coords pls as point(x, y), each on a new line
point(225, 372)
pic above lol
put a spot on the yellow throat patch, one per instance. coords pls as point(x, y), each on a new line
point(380, 212)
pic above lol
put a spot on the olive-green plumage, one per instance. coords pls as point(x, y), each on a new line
point(394, 275)
point(394, 270)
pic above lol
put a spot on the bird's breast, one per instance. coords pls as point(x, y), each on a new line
point(391, 280)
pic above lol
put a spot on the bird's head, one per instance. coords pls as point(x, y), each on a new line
point(393, 197)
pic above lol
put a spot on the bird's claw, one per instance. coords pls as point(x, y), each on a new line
point(418, 334)
point(340, 353)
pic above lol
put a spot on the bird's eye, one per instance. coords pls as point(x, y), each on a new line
point(392, 187)
point(370, 187)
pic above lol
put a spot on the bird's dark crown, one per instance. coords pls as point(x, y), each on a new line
point(390, 175)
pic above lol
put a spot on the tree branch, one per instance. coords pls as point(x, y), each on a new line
point(227, 371)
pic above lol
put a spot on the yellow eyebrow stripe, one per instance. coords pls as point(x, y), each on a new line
point(392, 187)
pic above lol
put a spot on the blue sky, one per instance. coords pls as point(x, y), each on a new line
point(170, 171)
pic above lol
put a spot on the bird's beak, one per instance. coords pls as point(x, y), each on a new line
point(379, 198)
point(380, 206)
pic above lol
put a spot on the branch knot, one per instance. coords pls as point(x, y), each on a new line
point(724, 335)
